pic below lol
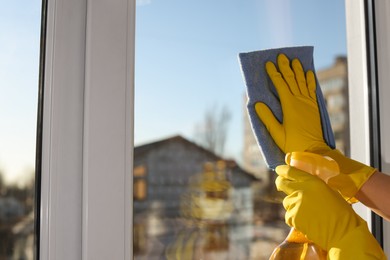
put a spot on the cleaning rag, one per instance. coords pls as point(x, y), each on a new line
point(260, 88)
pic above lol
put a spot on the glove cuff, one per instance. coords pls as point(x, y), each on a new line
point(353, 175)
point(358, 244)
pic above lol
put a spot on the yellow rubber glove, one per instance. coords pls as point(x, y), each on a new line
point(354, 175)
point(325, 217)
point(348, 184)
point(301, 127)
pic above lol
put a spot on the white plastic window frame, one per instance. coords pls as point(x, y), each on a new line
point(382, 12)
point(358, 82)
point(358, 90)
point(87, 145)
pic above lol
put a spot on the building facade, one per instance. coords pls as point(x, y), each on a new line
point(334, 85)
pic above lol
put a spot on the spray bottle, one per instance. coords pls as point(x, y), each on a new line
point(296, 246)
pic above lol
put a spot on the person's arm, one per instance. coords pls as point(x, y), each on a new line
point(375, 193)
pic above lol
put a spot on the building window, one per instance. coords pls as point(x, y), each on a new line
point(139, 189)
point(139, 171)
point(140, 186)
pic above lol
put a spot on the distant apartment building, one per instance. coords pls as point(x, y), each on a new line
point(334, 85)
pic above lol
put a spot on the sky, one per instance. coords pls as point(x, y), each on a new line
point(19, 66)
point(186, 64)
point(186, 57)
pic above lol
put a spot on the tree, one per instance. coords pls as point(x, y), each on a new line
point(211, 133)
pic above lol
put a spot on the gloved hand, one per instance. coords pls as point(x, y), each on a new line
point(325, 217)
point(301, 127)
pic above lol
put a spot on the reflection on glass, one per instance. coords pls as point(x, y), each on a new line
point(201, 188)
point(198, 205)
point(19, 63)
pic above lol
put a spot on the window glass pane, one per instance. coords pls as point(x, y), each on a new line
point(19, 66)
point(201, 187)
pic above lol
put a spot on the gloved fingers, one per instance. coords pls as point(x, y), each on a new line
point(286, 185)
point(288, 218)
point(280, 184)
point(282, 170)
point(279, 83)
point(290, 203)
point(300, 77)
point(273, 126)
point(293, 173)
point(311, 84)
point(288, 74)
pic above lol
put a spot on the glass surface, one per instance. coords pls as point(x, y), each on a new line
point(19, 66)
point(201, 187)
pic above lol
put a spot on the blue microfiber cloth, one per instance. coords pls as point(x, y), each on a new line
point(260, 88)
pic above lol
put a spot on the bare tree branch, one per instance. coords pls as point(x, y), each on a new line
point(211, 133)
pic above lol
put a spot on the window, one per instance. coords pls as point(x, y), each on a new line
point(378, 81)
point(19, 65)
point(139, 171)
point(139, 183)
point(79, 228)
point(190, 114)
point(140, 189)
